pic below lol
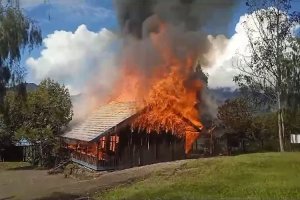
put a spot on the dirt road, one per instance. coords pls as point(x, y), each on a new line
point(37, 184)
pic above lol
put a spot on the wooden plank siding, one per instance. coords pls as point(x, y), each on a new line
point(105, 140)
point(140, 148)
point(133, 149)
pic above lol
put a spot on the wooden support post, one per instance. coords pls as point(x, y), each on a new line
point(24, 153)
point(184, 144)
point(141, 151)
point(156, 153)
point(172, 149)
point(117, 153)
point(107, 144)
point(97, 158)
point(60, 142)
point(131, 150)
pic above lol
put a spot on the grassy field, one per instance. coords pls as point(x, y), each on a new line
point(252, 176)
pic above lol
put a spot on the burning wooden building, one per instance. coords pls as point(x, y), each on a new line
point(111, 139)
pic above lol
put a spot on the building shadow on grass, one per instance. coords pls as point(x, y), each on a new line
point(64, 196)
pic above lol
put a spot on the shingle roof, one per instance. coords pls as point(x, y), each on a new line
point(103, 119)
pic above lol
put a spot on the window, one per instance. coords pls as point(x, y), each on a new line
point(114, 140)
point(103, 142)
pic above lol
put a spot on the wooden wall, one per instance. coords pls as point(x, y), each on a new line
point(137, 149)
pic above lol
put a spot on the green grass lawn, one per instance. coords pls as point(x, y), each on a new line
point(252, 176)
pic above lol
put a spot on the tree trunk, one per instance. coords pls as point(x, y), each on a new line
point(211, 145)
point(280, 133)
point(228, 146)
point(282, 127)
point(279, 84)
point(243, 146)
point(281, 144)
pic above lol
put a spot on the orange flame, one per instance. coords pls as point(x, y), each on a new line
point(167, 93)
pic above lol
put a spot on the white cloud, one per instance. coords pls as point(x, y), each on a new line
point(223, 69)
point(297, 29)
point(84, 61)
point(73, 58)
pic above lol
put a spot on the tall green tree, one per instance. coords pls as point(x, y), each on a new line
point(293, 83)
point(48, 112)
point(17, 33)
point(271, 44)
point(12, 117)
point(263, 131)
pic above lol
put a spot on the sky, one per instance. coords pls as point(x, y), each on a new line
point(81, 34)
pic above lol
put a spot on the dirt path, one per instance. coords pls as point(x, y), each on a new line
point(37, 184)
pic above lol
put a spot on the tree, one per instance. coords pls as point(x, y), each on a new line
point(12, 116)
point(48, 112)
point(263, 130)
point(17, 32)
point(293, 71)
point(237, 117)
point(271, 45)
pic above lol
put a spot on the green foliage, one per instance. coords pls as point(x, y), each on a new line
point(253, 176)
point(242, 125)
point(258, 129)
point(265, 70)
point(40, 117)
point(12, 117)
point(270, 71)
point(5, 136)
point(292, 121)
point(49, 111)
point(14, 112)
point(17, 32)
point(50, 107)
point(263, 130)
point(292, 93)
point(266, 121)
point(235, 115)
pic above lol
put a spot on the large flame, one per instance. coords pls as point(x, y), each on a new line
point(167, 93)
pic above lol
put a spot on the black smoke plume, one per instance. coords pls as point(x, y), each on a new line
point(194, 15)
